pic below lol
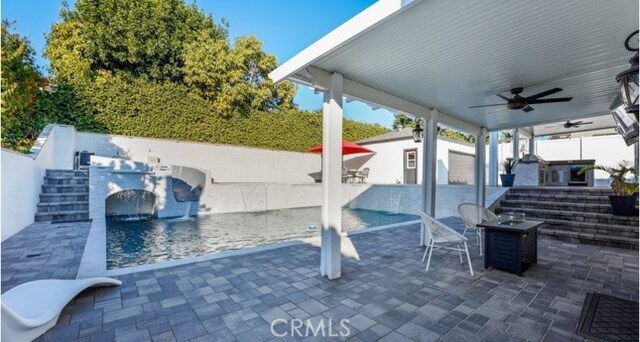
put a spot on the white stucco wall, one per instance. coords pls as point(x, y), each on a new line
point(387, 164)
point(225, 163)
point(22, 176)
point(607, 150)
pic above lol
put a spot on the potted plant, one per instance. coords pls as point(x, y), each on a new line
point(625, 193)
point(508, 177)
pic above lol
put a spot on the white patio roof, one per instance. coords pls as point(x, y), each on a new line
point(414, 56)
point(597, 123)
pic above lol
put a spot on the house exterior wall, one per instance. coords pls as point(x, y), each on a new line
point(387, 165)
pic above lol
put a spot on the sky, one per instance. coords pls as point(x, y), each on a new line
point(285, 26)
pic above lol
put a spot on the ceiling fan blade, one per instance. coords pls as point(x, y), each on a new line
point(559, 99)
point(506, 98)
point(527, 109)
point(544, 93)
point(491, 105)
point(586, 123)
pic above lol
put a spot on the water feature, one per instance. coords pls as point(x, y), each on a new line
point(131, 205)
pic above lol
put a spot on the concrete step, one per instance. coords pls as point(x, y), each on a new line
point(562, 190)
point(66, 180)
point(63, 216)
point(64, 197)
point(47, 207)
point(591, 228)
point(549, 205)
point(545, 197)
point(591, 239)
point(574, 216)
point(61, 189)
point(67, 173)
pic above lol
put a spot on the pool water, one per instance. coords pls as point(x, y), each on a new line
point(131, 243)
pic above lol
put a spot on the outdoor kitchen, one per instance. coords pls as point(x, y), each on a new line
point(535, 171)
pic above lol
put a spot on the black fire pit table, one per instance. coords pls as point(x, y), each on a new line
point(511, 246)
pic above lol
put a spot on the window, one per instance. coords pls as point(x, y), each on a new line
point(411, 159)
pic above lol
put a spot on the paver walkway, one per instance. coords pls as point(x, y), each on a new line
point(386, 295)
point(43, 251)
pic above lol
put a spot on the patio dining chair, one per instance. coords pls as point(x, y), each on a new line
point(472, 214)
point(444, 236)
point(362, 175)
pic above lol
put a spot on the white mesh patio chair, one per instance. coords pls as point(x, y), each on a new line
point(473, 214)
point(439, 235)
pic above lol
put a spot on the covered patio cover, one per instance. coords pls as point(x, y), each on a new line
point(435, 58)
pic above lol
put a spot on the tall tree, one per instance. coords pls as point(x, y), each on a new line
point(21, 81)
point(401, 121)
point(164, 41)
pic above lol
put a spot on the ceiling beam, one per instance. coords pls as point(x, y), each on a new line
point(544, 122)
point(320, 80)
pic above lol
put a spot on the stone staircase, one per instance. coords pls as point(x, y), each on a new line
point(575, 214)
point(64, 197)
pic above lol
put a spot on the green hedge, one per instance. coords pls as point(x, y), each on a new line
point(174, 111)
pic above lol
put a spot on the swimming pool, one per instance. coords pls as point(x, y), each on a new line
point(131, 243)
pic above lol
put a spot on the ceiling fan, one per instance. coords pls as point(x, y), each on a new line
point(519, 102)
point(570, 124)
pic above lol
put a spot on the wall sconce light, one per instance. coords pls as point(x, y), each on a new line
point(418, 131)
point(628, 81)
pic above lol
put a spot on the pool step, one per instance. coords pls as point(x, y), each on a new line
point(64, 196)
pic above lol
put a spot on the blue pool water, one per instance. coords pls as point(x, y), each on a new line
point(131, 243)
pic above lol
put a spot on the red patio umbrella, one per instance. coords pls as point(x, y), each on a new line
point(347, 148)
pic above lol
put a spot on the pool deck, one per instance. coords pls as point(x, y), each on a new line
point(384, 291)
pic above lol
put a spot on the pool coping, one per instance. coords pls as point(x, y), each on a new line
point(94, 256)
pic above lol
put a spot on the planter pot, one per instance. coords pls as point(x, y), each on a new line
point(507, 180)
point(623, 205)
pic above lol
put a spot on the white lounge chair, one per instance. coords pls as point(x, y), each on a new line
point(438, 233)
point(30, 309)
point(472, 214)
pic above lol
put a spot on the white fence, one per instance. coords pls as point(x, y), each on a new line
point(225, 163)
point(22, 176)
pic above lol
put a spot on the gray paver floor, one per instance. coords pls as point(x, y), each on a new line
point(386, 295)
point(43, 251)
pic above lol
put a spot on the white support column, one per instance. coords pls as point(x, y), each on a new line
point(331, 179)
point(516, 145)
point(480, 180)
point(429, 164)
point(532, 145)
point(493, 158)
point(636, 161)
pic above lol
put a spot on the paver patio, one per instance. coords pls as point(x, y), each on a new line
point(385, 295)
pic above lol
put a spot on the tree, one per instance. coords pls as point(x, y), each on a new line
point(20, 89)
point(164, 41)
point(143, 38)
point(402, 121)
point(235, 78)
